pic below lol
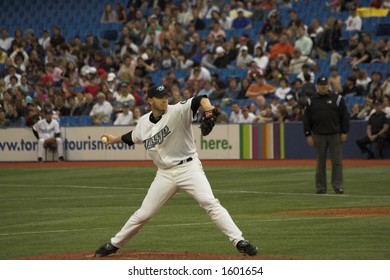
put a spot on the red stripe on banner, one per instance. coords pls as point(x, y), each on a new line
point(255, 141)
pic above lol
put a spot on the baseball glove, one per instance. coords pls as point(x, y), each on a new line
point(207, 121)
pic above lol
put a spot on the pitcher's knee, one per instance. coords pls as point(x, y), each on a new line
point(141, 215)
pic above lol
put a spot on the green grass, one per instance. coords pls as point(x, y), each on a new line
point(76, 209)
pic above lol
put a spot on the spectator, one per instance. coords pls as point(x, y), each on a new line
point(254, 70)
point(386, 4)
point(386, 85)
point(232, 89)
point(303, 42)
point(121, 13)
point(377, 94)
point(272, 23)
point(217, 31)
point(47, 131)
point(298, 60)
point(124, 95)
point(84, 108)
point(226, 21)
point(282, 47)
point(260, 87)
point(296, 114)
point(4, 122)
point(196, 20)
point(295, 22)
point(283, 89)
point(235, 114)
point(367, 110)
point(282, 113)
point(363, 80)
point(5, 40)
point(266, 114)
point(126, 70)
point(355, 110)
point(351, 89)
point(207, 10)
point(261, 59)
point(222, 60)
point(109, 14)
point(241, 21)
point(56, 40)
point(244, 58)
point(101, 111)
point(246, 116)
point(377, 129)
point(222, 118)
point(291, 101)
point(386, 107)
point(328, 40)
point(207, 89)
point(125, 117)
point(361, 55)
point(353, 22)
point(335, 80)
point(375, 83)
point(305, 70)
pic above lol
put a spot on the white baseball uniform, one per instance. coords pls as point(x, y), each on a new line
point(170, 143)
point(47, 130)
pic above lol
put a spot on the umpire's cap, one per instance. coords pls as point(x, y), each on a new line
point(322, 80)
point(157, 91)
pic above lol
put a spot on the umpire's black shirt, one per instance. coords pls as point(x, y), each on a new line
point(326, 114)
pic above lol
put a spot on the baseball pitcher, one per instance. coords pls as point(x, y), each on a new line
point(166, 133)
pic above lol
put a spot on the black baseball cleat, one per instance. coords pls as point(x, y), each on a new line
point(246, 247)
point(339, 191)
point(105, 250)
point(321, 192)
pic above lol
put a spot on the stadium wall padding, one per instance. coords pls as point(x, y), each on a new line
point(245, 141)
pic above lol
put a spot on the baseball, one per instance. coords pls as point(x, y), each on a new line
point(104, 139)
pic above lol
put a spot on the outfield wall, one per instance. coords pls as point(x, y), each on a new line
point(246, 141)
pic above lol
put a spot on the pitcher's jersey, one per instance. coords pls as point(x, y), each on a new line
point(171, 139)
point(45, 129)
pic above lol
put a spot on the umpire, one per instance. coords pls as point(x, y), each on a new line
point(326, 124)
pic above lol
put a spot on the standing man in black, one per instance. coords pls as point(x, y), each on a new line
point(326, 124)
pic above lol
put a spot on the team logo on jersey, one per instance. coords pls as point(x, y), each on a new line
point(156, 139)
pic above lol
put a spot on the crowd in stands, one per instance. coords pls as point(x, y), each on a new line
point(85, 77)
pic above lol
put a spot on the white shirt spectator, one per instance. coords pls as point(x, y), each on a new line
point(354, 23)
point(5, 44)
point(124, 119)
point(282, 92)
point(250, 118)
point(234, 117)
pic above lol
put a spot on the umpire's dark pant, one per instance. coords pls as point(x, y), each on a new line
point(321, 145)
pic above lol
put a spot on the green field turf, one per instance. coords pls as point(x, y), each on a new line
point(46, 211)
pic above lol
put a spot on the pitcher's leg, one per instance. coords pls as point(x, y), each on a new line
point(160, 191)
point(199, 188)
point(336, 155)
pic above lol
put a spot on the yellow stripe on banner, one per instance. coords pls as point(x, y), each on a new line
point(282, 156)
point(372, 12)
point(269, 127)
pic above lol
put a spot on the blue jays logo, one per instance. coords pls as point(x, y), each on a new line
point(161, 88)
point(156, 139)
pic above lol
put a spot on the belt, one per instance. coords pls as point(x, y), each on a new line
point(185, 160)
